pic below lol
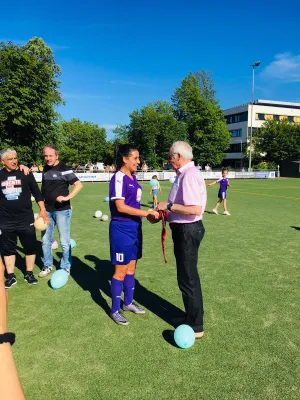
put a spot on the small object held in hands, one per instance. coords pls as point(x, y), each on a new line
point(40, 225)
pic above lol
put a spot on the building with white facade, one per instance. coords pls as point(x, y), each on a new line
point(238, 121)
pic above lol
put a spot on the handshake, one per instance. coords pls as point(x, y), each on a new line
point(156, 215)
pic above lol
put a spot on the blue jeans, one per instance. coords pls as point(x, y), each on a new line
point(62, 219)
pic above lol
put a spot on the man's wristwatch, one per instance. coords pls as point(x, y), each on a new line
point(169, 206)
point(7, 337)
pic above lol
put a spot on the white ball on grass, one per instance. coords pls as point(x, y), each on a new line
point(104, 217)
point(98, 214)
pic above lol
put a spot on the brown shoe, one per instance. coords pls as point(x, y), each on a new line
point(199, 335)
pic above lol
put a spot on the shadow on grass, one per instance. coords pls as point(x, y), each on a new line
point(168, 335)
point(96, 280)
point(297, 228)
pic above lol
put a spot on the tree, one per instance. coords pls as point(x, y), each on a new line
point(195, 104)
point(152, 130)
point(277, 141)
point(28, 96)
point(83, 142)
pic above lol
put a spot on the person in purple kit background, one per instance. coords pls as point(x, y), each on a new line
point(224, 183)
point(186, 204)
point(125, 231)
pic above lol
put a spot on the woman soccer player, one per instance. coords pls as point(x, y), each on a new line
point(125, 231)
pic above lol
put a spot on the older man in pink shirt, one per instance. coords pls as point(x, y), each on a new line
point(186, 204)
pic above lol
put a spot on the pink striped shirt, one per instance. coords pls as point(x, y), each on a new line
point(189, 189)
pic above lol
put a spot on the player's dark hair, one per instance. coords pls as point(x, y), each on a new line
point(154, 177)
point(124, 150)
point(224, 169)
point(53, 147)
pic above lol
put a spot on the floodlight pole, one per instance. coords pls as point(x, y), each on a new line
point(256, 64)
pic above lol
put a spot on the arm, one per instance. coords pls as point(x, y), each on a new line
point(124, 209)
point(180, 209)
point(10, 385)
point(213, 183)
point(77, 187)
point(38, 197)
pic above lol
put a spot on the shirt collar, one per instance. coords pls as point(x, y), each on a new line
point(185, 167)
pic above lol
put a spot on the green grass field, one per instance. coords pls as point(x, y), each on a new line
point(68, 349)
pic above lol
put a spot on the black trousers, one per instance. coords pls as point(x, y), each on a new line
point(187, 239)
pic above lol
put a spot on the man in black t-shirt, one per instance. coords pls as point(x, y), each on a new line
point(55, 188)
point(16, 216)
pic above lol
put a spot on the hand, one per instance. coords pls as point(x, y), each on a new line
point(44, 215)
point(24, 169)
point(153, 217)
point(162, 206)
point(61, 199)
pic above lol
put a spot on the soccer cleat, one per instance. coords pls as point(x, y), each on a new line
point(133, 308)
point(119, 318)
point(215, 211)
point(45, 271)
point(226, 213)
point(30, 278)
point(10, 282)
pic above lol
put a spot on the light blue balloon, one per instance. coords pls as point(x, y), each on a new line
point(72, 243)
point(184, 336)
point(59, 279)
point(106, 199)
point(153, 182)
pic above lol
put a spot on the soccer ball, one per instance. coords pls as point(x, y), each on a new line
point(98, 214)
point(104, 217)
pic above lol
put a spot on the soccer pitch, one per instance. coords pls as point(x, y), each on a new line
point(68, 348)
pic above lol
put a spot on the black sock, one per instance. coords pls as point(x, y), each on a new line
point(10, 275)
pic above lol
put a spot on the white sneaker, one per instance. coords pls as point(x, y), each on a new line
point(45, 271)
point(226, 213)
point(215, 211)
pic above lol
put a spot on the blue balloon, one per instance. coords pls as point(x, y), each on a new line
point(153, 182)
point(59, 279)
point(72, 243)
point(106, 199)
point(184, 336)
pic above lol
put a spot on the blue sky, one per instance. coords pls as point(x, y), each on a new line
point(118, 56)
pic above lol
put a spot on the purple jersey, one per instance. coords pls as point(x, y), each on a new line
point(223, 184)
point(122, 187)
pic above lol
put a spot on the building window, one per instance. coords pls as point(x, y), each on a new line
point(276, 117)
point(297, 120)
point(260, 117)
point(282, 117)
point(237, 118)
point(235, 148)
point(230, 119)
point(268, 117)
point(236, 133)
point(291, 119)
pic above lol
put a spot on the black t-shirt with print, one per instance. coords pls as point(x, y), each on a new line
point(15, 197)
point(55, 182)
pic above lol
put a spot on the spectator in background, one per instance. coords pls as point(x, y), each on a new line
point(34, 168)
point(145, 167)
